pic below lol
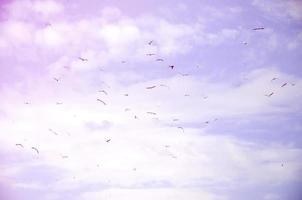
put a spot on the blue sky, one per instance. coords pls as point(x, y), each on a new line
point(111, 122)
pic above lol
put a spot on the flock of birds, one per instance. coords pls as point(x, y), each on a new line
point(172, 67)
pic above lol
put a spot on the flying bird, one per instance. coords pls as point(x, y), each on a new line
point(269, 95)
point(284, 84)
point(159, 59)
point(127, 109)
point(20, 145)
point(258, 28)
point(56, 79)
point(103, 91)
point(150, 42)
point(34, 148)
point(151, 113)
point(162, 85)
point(150, 54)
point(126, 95)
point(206, 122)
point(27, 103)
point(108, 140)
point(151, 87)
point(171, 66)
point(174, 120)
point(53, 131)
point(123, 61)
point(273, 79)
point(64, 156)
point(83, 59)
point(59, 103)
point(184, 74)
point(101, 101)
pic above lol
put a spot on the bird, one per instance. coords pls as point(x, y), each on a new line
point(174, 120)
point(34, 148)
point(56, 79)
point(83, 59)
point(258, 28)
point(101, 101)
point(186, 95)
point(163, 85)
point(159, 59)
point(284, 84)
point(151, 87)
point(171, 66)
point(59, 103)
point(269, 95)
point(273, 79)
point(245, 43)
point(53, 131)
point(64, 156)
point(20, 145)
point(150, 54)
point(127, 109)
point(27, 103)
point(108, 140)
point(151, 113)
point(205, 97)
point(206, 122)
point(150, 42)
point(184, 74)
point(135, 117)
point(123, 61)
point(181, 128)
point(126, 95)
point(103, 91)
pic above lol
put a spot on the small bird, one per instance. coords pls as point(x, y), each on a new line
point(284, 84)
point(273, 79)
point(174, 120)
point(56, 79)
point(126, 95)
point(163, 85)
point(159, 59)
point(108, 140)
point(101, 101)
point(171, 66)
point(258, 28)
point(150, 42)
point(103, 91)
point(151, 113)
point(27, 103)
point(20, 145)
point(83, 59)
point(59, 103)
point(123, 61)
point(205, 97)
point(181, 128)
point(53, 131)
point(135, 117)
point(151, 87)
point(34, 148)
point(150, 54)
point(206, 122)
point(127, 109)
point(269, 95)
point(64, 157)
point(184, 74)
point(245, 43)
point(186, 95)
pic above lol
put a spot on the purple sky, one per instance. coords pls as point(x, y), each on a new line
point(216, 127)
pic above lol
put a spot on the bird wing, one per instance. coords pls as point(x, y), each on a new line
point(34, 148)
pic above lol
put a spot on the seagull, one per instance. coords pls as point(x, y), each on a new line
point(150, 54)
point(27, 103)
point(34, 148)
point(126, 95)
point(269, 95)
point(174, 120)
point(151, 87)
point(53, 131)
point(64, 156)
point(103, 92)
point(151, 113)
point(101, 101)
point(83, 59)
point(135, 117)
point(123, 61)
point(150, 43)
point(258, 28)
point(56, 79)
point(20, 145)
point(187, 95)
point(108, 140)
point(162, 85)
point(273, 79)
point(284, 84)
point(59, 103)
point(206, 122)
point(159, 59)
point(181, 128)
point(171, 66)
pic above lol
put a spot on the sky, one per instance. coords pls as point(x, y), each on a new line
point(182, 100)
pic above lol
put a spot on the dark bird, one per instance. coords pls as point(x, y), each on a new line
point(151, 113)
point(162, 85)
point(258, 28)
point(108, 140)
point(34, 148)
point(150, 42)
point(103, 91)
point(174, 120)
point(171, 66)
point(59, 103)
point(126, 95)
point(20, 145)
point(269, 95)
point(273, 79)
point(284, 84)
point(206, 122)
point(159, 59)
point(101, 101)
point(83, 59)
point(27, 103)
point(150, 54)
point(64, 156)
point(151, 87)
point(135, 117)
point(53, 131)
point(181, 128)
point(56, 79)
point(187, 95)
point(123, 61)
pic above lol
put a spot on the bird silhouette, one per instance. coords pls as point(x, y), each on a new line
point(269, 95)
point(284, 84)
point(150, 54)
point(34, 148)
point(151, 113)
point(181, 128)
point(151, 87)
point(108, 140)
point(159, 59)
point(171, 66)
point(258, 28)
point(150, 42)
point(103, 91)
point(273, 79)
point(83, 59)
point(20, 145)
point(101, 101)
